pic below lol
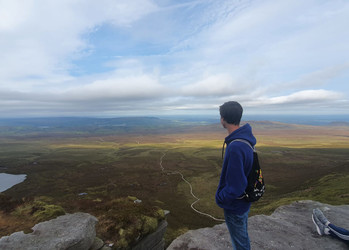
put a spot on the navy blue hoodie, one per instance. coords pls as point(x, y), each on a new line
point(237, 164)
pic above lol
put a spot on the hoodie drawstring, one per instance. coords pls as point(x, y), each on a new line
point(223, 149)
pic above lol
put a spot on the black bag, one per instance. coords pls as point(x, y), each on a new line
point(255, 181)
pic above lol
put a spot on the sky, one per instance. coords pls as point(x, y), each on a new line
point(111, 58)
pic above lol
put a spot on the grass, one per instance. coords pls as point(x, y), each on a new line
point(330, 189)
point(24, 214)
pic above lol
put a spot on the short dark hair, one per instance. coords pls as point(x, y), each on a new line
point(231, 112)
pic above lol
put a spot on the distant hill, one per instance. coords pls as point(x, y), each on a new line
point(85, 126)
point(339, 124)
point(88, 126)
point(82, 121)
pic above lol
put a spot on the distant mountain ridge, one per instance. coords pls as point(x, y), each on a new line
point(84, 126)
point(153, 120)
point(78, 121)
point(339, 124)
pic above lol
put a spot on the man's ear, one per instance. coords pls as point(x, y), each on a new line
point(223, 122)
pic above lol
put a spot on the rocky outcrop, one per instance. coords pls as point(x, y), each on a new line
point(213, 238)
point(74, 232)
point(289, 227)
point(71, 231)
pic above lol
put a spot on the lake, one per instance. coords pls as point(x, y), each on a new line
point(9, 180)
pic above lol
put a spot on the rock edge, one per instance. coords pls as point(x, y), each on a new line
point(289, 227)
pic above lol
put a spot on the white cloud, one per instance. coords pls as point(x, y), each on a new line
point(272, 39)
point(320, 77)
point(39, 38)
point(300, 98)
point(139, 87)
point(194, 55)
point(214, 85)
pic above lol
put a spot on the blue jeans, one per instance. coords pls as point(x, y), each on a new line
point(237, 226)
point(339, 232)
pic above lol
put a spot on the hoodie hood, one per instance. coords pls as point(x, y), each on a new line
point(244, 132)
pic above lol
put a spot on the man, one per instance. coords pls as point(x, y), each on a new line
point(237, 164)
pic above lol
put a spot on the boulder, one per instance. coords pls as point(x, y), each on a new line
point(210, 238)
point(155, 240)
point(289, 227)
point(97, 244)
point(70, 231)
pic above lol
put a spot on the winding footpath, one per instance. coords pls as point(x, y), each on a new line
point(191, 190)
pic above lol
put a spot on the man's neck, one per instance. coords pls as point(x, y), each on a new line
point(231, 128)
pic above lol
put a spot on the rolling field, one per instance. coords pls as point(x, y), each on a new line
point(80, 173)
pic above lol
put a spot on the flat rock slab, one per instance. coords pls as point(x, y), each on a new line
point(70, 231)
point(289, 227)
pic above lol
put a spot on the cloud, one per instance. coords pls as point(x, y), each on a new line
point(214, 85)
point(116, 87)
point(319, 77)
point(128, 88)
point(40, 38)
point(326, 77)
point(271, 39)
point(103, 98)
point(72, 56)
point(301, 98)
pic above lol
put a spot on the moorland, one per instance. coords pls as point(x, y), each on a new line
point(101, 166)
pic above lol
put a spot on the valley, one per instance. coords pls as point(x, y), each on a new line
point(85, 167)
